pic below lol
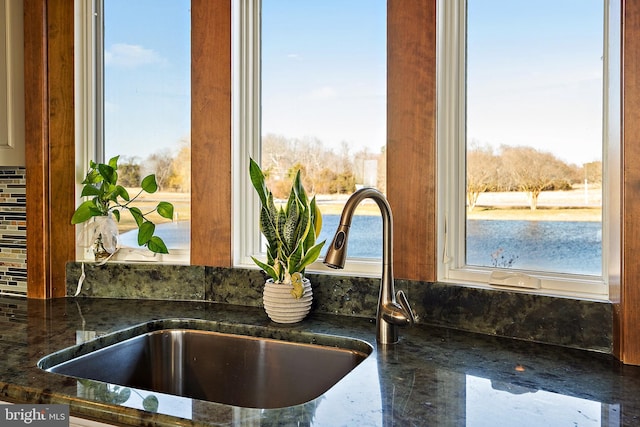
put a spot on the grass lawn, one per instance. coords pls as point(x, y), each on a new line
point(557, 206)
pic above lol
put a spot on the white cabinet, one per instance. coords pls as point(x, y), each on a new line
point(11, 84)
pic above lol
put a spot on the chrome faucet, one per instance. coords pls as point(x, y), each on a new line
point(391, 313)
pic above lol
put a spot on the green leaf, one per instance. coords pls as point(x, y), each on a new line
point(85, 211)
point(316, 218)
point(150, 403)
point(113, 162)
point(267, 269)
point(303, 228)
point(136, 213)
point(310, 237)
point(90, 190)
point(257, 179)
point(280, 221)
point(268, 227)
point(116, 214)
point(311, 255)
point(111, 192)
point(299, 189)
point(149, 184)
point(289, 228)
point(271, 206)
point(122, 192)
point(108, 173)
point(165, 210)
point(156, 244)
point(122, 396)
point(145, 232)
point(93, 176)
point(272, 253)
point(294, 259)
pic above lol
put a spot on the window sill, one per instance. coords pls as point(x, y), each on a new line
point(139, 255)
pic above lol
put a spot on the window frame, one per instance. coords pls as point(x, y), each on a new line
point(246, 142)
point(89, 124)
point(451, 83)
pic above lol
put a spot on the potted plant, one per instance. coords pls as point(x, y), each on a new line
point(107, 201)
point(291, 231)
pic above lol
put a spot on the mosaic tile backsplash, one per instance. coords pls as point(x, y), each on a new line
point(13, 231)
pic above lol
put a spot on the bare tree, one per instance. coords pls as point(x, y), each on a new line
point(534, 171)
point(278, 154)
point(129, 173)
point(482, 172)
point(323, 171)
point(161, 164)
point(592, 172)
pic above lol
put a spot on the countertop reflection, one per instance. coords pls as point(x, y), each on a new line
point(433, 377)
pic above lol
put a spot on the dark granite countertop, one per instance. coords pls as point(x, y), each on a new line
point(434, 376)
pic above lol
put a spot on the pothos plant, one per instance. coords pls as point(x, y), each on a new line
point(109, 198)
point(291, 231)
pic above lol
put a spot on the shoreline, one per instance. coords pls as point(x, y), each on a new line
point(573, 205)
point(580, 204)
point(543, 213)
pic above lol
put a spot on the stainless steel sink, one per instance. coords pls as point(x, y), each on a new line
point(240, 370)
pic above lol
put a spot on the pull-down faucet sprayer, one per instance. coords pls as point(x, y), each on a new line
point(391, 313)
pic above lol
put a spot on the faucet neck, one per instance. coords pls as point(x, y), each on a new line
point(387, 221)
point(390, 314)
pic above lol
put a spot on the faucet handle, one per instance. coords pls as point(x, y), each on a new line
point(404, 303)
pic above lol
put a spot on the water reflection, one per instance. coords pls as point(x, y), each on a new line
point(490, 401)
point(136, 398)
point(414, 393)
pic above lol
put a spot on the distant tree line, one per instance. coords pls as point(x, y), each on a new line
point(329, 171)
point(323, 170)
point(173, 171)
point(522, 169)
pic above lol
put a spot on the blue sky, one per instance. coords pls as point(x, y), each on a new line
point(324, 74)
point(324, 71)
point(147, 83)
point(544, 67)
point(319, 80)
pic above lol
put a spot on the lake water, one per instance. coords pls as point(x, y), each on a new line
point(558, 246)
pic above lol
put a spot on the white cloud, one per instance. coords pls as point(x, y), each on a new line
point(130, 56)
point(325, 92)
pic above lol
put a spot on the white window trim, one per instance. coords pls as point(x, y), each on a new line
point(246, 136)
point(89, 124)
point(451, 128)
point(85, 95)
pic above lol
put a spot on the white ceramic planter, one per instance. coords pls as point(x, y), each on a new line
point(281, 306)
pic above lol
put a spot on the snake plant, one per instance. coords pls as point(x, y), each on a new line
point(291, 231)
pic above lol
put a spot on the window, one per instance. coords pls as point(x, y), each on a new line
point(136, 90)
point(541, 406)
point(314, 98)
point(524, 135)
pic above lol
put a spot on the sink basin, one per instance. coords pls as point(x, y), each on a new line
point(215, 362)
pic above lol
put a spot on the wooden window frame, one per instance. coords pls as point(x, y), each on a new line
point(50, 150)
